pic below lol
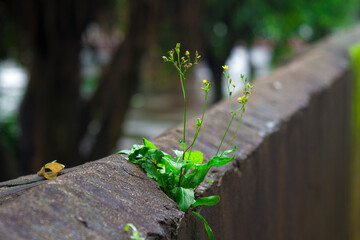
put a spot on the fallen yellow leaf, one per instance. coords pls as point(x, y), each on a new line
point(54, 167)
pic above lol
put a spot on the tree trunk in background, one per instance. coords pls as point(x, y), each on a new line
point(120, 79)
point(49, 113)
point(187, 24)
point(54, 119)
point(3, 170)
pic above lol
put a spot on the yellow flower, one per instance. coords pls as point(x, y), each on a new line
point(241, 98)
point(225, 67)
point(207, 86)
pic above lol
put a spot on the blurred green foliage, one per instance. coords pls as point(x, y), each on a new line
point(276, 20)
point(9, 136)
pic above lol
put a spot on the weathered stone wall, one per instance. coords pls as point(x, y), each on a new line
point(289, 180)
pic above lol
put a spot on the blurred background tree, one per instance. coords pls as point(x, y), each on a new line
point(65, 115)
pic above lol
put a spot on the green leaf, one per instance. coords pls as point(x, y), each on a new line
point(219, 161)
point(198, 174)
point(149, 144)
point(225, 153)
point(208, 201)
point(163, 179)
point(138, 151)
point(150, 169)
point(178, 154)
point(171, 165)
point(127, 152)
point(134, 148)
point(169, 158)
point(187, 166)
point(155, 155)
point(184, 197)
point(195, 157)
point(167, 182)
point(195, 177)
point(207, 227)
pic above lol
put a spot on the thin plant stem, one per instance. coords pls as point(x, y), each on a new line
point(184, 94)
point(228, 88)
point(230, 108)
point(181, 173)
point(199, 129)
point(242, 109)
point(227, 129)
point(183, 87)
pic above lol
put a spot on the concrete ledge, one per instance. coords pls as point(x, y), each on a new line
point(289, 180)
point(94, 201)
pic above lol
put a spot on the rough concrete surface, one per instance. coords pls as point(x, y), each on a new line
point(94, 201)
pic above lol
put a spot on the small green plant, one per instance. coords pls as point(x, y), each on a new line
point(181, 175)
point(135, 233)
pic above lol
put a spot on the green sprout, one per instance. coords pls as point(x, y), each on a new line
point(179, 177)
point(135, 233)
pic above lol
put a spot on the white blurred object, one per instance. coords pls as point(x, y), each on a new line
point(261, 56)
point(306, 31)
point(13, 80)
point(238, 64)
point(12, 75)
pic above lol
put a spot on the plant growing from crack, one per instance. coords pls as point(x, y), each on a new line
point(181, 175)
point(135, 233)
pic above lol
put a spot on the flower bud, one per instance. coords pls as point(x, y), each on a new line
point(241, 98)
